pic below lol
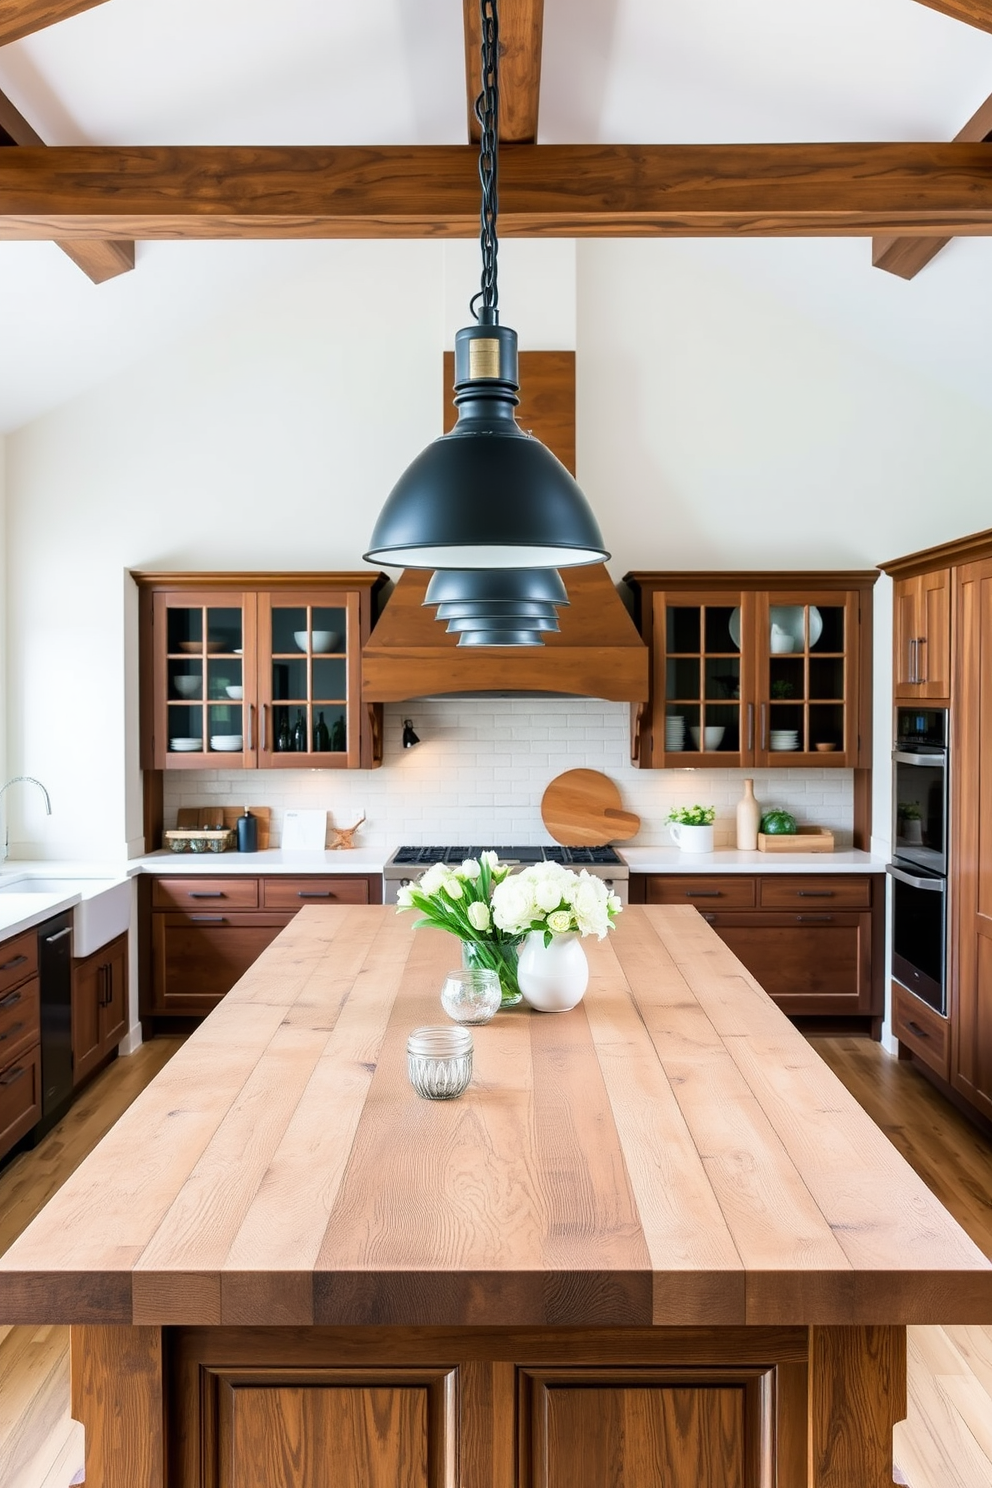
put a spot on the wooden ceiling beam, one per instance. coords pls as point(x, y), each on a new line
point(98, 261)
point(521, 29)
point(785, 190)
point(906, 256)
point(22, 17)
point(972, 12)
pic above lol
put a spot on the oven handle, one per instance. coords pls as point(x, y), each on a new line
point(938, 757)
point(934, 885)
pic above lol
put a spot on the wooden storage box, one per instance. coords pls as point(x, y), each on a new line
point(804, 839)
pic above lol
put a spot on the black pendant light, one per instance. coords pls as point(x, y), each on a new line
point(487, 495)
point(503, 602)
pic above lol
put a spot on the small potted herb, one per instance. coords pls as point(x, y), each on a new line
point(910, 822)
point(692, 827)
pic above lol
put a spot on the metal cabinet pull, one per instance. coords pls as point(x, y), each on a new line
point(921, 675)
point(251, 727)
point(814, 893)
point(12, 1075)
point(910, 664)
point(207, 919)
point(11, 1031)
point(814, 919)
point(915, 1028)
point(314, 894)
point(704, 893)
point(12, 998)
point(764, 726)
point(9, 965)
point(710, 918)
point(265, 727)
point(750, 725)
point(59, 935)
point(206, 893)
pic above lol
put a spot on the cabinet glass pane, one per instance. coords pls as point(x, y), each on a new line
point(224, 729)
point(722, 621)
point(786, 728)
point(289, 680)
point(185, 729)
point(185, 680)
point(682, 680)
point(330, 733)
point(330, 680)
point(826, 677)
point(832, 636)
point(223, 675)
point(723, 677)
point(826, 727)
point(224, 631)
point(683, 628)
point(291, 727)
point(788, 678)
point(329, 627)
point(288, 622)
point(184, 628)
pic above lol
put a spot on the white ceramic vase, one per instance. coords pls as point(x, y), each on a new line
point(552, 978)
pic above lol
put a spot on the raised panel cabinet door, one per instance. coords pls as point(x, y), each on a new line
point(905, 633)
point(197, 958)
point(114, 998)
point(817, 962)
point(88, 989)
point(20, 1097)
point(971, 839)
point(935, 634)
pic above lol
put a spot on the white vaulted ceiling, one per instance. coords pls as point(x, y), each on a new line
point(232, 72)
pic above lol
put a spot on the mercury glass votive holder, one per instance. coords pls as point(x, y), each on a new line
point(471, 994)
point(439, 1061)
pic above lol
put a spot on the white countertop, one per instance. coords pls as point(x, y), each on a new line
point(22, 911)
point(271, 860)
point(730, 860)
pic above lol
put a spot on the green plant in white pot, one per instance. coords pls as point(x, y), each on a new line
point(692, 827)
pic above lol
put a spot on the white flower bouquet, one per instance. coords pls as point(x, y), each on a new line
point(554, 900)
point(459, 900)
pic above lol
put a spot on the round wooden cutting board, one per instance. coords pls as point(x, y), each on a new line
point(582, 809)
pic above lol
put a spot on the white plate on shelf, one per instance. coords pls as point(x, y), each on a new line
point(790, 618)
point(229, 743)
point(185, 746)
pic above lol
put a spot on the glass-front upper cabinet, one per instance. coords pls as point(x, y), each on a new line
point(808, 662)
point(250, 677)
point(748, 672)
point(203, 650)
point(705, 712)
point(311, 679)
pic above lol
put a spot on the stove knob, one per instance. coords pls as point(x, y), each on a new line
point(405, 883)
point(608, 882)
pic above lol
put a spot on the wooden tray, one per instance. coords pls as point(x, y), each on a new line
point(210, 816)
point(805, 840)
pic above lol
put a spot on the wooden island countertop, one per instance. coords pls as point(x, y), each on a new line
point(667, 1164)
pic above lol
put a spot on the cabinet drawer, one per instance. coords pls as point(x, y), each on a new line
point(818, 890)
point(295, 893)
point(816, 962)
point(194, 893)
point(20, 1019)
point(20, 1097)
point(18, 959)
point(721, 891)
point(198, 957)
point(921, 1029)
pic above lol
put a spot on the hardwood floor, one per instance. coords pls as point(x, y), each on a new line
point(40, 1445)
point(946, 1441)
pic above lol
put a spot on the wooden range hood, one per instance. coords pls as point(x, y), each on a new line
point(598, 651)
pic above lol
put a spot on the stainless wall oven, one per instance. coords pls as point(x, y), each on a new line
point(919, 851)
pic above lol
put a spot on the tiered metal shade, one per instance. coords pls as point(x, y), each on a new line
point(497, 607)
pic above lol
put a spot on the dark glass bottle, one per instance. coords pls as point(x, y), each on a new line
point(338, 736)
point(284, 740)
point(300, 734)
point(321, 736)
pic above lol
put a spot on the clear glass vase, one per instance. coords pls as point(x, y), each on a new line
point(499, 956)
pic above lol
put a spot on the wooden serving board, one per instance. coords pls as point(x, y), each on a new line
point(582, 808)
point(804, 839)
point(212, 816)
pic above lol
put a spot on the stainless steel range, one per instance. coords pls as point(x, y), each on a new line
point(407, 863)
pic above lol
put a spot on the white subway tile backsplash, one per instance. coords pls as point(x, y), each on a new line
point(480, 771)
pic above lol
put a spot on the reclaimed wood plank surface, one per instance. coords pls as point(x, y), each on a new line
point(671, 1152)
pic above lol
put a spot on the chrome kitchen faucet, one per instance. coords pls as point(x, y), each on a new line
point(14, 781)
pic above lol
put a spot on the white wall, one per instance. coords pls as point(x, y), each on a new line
point(717, 427)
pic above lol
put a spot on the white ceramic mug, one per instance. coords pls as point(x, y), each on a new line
point(691, 839)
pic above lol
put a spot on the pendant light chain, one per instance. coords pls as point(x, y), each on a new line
point(487, 113)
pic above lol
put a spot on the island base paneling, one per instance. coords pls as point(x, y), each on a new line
point(488, 1408)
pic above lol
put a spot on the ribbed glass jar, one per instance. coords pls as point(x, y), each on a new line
point(439, 1061)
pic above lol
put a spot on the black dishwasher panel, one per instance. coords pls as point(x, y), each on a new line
point(55, 977)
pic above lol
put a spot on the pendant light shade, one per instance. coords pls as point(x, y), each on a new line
point(469, 610)
point(504, 585)
point(508, 622)
point(487, 495)
point(500, 638)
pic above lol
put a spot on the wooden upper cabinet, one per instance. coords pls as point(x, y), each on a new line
point(921, 660)
point(256, 671)
point(756, 669)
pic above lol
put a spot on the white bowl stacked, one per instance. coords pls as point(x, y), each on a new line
point(674, 733)
point(185, 745)
point(229, 743)
point(784, 738)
